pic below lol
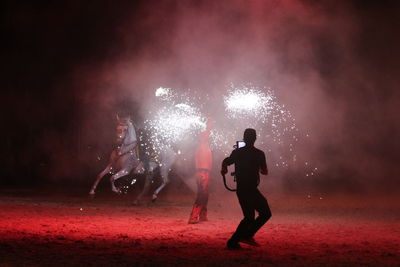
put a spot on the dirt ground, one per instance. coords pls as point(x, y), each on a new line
point(48, 229)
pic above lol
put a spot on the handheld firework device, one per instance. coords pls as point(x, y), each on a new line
point(239, 144)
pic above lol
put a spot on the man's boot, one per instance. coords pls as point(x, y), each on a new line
point(195, 215)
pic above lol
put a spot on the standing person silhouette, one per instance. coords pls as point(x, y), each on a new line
point(249, 162)
point(203, 162)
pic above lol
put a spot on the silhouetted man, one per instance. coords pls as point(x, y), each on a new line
point(249, 161)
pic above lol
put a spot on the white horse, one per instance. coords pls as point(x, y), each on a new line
point(124, 160)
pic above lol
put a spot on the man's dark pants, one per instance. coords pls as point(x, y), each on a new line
point(251, 200)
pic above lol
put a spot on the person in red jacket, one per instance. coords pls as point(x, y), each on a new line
point(203, 164)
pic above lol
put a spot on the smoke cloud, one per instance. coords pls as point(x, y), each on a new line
point(333, 64)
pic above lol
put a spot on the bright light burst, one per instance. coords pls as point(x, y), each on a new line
point(175, 118)
point(172, 124)
point(245, 102)
point(255, 105)
point(164, 93)
point(249, 106)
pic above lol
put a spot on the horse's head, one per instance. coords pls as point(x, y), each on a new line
point(125, 132)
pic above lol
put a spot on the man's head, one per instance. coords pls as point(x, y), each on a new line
point(249, 136)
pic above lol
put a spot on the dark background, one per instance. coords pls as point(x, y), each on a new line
point(69, 66)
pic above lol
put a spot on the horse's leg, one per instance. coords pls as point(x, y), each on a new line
point(99, 177)
point(147, 182)
point(164, 169)
point(167, 159)
point(116, 176)
point(146, 188)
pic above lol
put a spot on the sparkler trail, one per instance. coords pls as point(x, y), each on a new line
point(256, 106)
point(245, 102)
point(176, 118)
point(248, 106)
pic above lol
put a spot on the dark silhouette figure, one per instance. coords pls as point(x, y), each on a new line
point(249, 162)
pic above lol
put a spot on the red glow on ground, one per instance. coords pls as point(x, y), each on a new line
point(59, 230)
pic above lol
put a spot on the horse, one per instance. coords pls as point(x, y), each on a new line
point(164, 160)
point(124, 160)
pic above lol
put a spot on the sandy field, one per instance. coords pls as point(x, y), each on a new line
point(60, 229)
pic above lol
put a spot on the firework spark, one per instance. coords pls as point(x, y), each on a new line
point(175, 118)
point(244, 102)
point(257, 107)
point(164, 93)
point(250, 106)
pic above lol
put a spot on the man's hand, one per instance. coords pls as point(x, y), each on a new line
point(224, 171)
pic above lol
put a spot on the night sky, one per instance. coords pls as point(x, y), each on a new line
point(69, 66)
